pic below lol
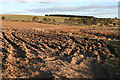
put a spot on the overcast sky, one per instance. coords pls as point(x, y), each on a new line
point(97, 8)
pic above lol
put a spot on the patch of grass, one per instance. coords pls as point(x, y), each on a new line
point(114, 43)
point(114, 63)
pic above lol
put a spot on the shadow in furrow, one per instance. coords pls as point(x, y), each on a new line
point(19, 51)
point(74, 40)
point(36, 47)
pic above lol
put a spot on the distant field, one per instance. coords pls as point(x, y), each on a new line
point(29, 17)
point(71, 21)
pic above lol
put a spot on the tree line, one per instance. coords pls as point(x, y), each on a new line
point(77, 16)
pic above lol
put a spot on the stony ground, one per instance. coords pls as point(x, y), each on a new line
point(27, 52)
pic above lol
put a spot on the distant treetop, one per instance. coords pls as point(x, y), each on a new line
point(35, 18)
point(3, 18)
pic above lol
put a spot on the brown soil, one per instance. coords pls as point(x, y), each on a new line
point(40, 51)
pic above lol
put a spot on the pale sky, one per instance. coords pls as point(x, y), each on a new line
point(97, 8)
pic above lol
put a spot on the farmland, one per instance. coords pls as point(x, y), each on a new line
point(71, 21)
point(37, 50)
point(29, 17)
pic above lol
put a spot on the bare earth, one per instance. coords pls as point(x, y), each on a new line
point(44, 51)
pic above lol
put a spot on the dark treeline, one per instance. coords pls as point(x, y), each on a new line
point(60, 15)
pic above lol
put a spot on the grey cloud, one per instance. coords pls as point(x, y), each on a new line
point(46, 2)
point(14, 12)
point(73, 9)
point(37, 2)
point(103, 13)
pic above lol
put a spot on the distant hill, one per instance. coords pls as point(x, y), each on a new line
point(64, 19)
point(29, 17)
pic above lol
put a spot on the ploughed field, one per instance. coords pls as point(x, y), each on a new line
point(31, 52)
